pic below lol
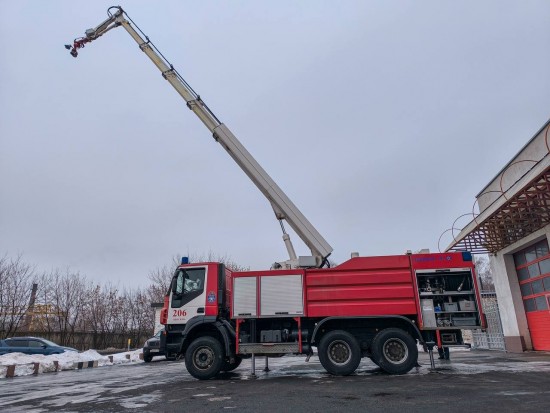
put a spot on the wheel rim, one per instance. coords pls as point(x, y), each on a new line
point(339, 352)
point(395, 351)
point(203, 358)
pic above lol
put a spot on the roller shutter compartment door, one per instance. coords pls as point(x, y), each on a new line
point(533, 269)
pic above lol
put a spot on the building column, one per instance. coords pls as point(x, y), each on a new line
point(512, 313)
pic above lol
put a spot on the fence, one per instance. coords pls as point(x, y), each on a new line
point(91, 340)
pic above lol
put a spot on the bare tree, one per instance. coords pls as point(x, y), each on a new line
point(160, 280)
point(224, 259)
point(102, 310)
point(68, 307)
point(114, 304)
point(484, 272)
point(141, 317)
point(63, 299)
point(15, 290)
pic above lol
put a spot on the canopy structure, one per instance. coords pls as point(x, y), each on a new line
point(521, 210)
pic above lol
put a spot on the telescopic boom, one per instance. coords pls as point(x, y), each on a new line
point(283, 207)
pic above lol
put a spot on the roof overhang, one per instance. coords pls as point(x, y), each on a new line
point(521, 210)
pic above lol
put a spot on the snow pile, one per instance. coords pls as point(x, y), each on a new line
point(121, 358)
point(68, 359)
point(24, 363)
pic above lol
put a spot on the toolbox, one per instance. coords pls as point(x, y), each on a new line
point(466, 305)
point(464, 321)
point(450, 306)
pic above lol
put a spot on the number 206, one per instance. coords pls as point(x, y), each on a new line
point(179, 313)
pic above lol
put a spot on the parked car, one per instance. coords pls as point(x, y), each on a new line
point(31, 345)
point(152, 348)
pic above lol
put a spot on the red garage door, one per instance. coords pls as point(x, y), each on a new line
point(533, 269)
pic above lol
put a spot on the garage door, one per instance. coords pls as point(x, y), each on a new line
point(533, 269)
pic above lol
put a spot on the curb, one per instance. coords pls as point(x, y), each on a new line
point(10, 370)
point(79, 365)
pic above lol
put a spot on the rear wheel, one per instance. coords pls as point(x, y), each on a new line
point(339, 353)
point(204, 358)
point(394, 350)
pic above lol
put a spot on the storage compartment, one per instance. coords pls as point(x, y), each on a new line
point(447, 299)
point(270, 336)
point(281, 295)
point(268, 296)
point(466, 305)
point(244, 297)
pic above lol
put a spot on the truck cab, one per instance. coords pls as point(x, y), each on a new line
point(195, 307)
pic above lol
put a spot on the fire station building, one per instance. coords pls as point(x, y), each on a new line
point(513, 227)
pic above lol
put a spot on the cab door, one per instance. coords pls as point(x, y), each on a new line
point(188, 296)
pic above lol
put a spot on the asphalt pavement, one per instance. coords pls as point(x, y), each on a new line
point(472, 381)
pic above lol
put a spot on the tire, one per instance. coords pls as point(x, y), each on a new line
point(339, 353)
point(395, 351)
point(204, 358)
point(227, 366)
point(147, 358)
point(373, 360)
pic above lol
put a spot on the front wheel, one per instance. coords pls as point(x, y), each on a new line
point(395, 351)
point(147, 358)
point(204, 358)
point(339, 353)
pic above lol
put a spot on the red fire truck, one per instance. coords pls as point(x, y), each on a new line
point(376, 307)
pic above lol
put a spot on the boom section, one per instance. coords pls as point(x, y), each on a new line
point(283, 207)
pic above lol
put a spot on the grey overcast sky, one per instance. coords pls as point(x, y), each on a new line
point(380, 119)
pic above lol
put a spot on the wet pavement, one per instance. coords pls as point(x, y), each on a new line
point(471, 381)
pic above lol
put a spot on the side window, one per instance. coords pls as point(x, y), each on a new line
point(189, 284)
point(35, 344)
point(17, 343)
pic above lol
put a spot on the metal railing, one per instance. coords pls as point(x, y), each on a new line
point(493, 338)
